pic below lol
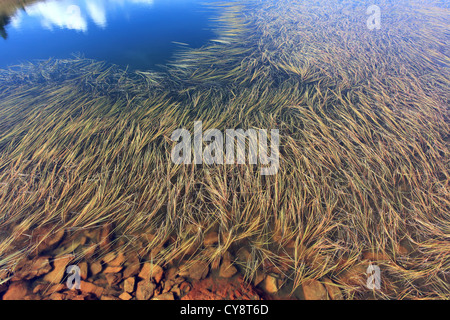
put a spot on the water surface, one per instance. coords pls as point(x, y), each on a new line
point(141, 34)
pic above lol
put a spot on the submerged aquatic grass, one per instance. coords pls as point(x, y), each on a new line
point(364, 127)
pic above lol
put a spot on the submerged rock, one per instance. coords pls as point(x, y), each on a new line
point(151, 271)
point(196, 270)
point(270, 284)
point(227, 270)
point(57, 274)
point(211, 238)
point(128, 285)
point(333, 290)
point(314, 290)
point(30, 269)
point(96, 268)
point(165, 296)
point(87, 287)
point(145, 290)
point(16, 291)
point(125, 296)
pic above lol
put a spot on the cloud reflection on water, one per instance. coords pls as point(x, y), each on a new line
point(71, 14)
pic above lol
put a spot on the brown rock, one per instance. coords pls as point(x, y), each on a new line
point(83, 240)
point(211, 238)
point(105, 236)
point(333, 290)
point(89, 251)
point(125, 296)
point(131, 256)
point(154, 252)
point(101, 282)
point(128, 284)
point(83, 270)
point(109, 297)
point(33, 268)
point(87, 287)
point(314, 290)
point(117, 261)
point(215, 264)
point(165, 296)
point(185, 287)
point(59, 269)
point(96, 268)
point(192, 248)
point(222, 289)
point(113, 278)
point(56, 296)
point(171, 273)
point(167, 285)
point(227, 270)
point(258, 278)
point(75, 295)
point(40, 287)
point(145, 290)
point(39, 267)
point(196, 270)
point(68, 246)
point(112, 291)
point(244, 255)
point(112, 269)
point(171, 284)
point(47, 237)
point(270, 284)
point(402, 251)
point(92, 234)
point(211, 254)
point(176, 291)
point(354, 276)
point(54, 289)
point(131, 270)
point(16, 291)
point(109, 257)
point(151, 271)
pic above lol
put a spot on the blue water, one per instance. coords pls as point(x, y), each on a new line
point(138, 34)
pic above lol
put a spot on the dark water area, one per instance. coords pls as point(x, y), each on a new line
point(139, 34)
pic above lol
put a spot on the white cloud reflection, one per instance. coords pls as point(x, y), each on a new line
point(71, 14)
point(97, 12)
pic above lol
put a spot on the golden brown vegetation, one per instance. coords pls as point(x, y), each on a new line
point(363, 118)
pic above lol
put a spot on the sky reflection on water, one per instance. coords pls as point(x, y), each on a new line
point(134, 33)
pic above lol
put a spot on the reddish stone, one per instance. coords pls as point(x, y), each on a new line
point(151, 271)
point(16, 291)
point(87, 287)
point(222, 289)
point(59, 269)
